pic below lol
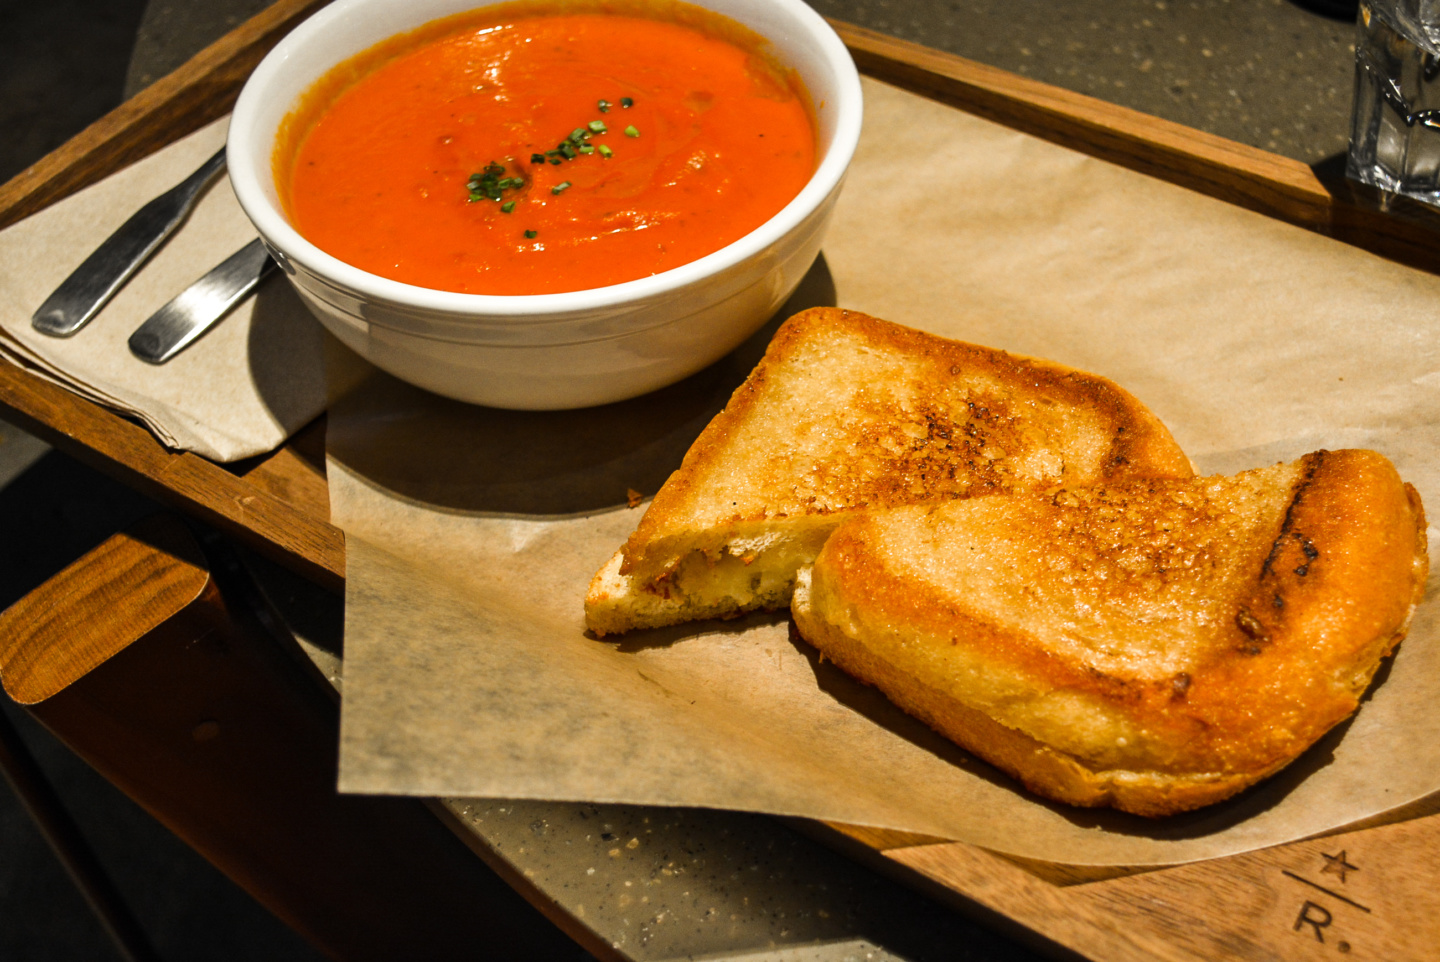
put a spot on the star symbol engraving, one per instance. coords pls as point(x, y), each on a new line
point(1336, 865)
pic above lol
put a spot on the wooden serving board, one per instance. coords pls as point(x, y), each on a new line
point(1368, 893)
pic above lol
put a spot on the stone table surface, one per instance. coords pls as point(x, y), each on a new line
point(1267, 73)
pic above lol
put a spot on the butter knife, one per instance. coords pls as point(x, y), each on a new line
point(81, 295)
point(201, 305)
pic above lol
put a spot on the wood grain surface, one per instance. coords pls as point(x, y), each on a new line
point(157, 670)
point(296, 534)
point(1370, 893)
point(88, 612)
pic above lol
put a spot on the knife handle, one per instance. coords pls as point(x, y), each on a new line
point(201, 305)
point(81, 295)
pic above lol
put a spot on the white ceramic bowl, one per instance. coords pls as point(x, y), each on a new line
point(547, 351)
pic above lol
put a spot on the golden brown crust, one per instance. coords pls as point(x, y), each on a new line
point(1231, 621)
point(960, 420)
point(1039, 767)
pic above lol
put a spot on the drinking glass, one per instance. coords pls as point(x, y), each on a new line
point(1395, 128)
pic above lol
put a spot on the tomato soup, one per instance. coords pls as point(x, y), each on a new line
point(545, 152)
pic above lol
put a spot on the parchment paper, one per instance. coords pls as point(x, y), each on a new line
point(472, 533)
point(242, 389)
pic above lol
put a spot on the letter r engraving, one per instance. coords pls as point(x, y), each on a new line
point(1315, 916)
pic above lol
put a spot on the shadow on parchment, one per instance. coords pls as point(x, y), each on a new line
point(870, 702)
point(633, 642)
point(468, 459)
point(282, 331)
point(863, 699)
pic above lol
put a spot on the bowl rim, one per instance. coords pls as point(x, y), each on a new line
point(247, 183)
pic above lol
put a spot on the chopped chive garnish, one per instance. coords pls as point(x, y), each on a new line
point(489, 184)
point(531, 233)
point(508, 206)
point(561, 187)
point(568, 149)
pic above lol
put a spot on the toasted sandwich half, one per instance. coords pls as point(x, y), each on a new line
point(1150, 645)
point(846, 413)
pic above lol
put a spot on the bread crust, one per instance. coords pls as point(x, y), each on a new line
point(1137, 443)
point(1272, 635)
point(1042, 769)
point(847, 413)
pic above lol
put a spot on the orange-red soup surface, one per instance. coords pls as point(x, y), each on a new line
point(725, 140)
